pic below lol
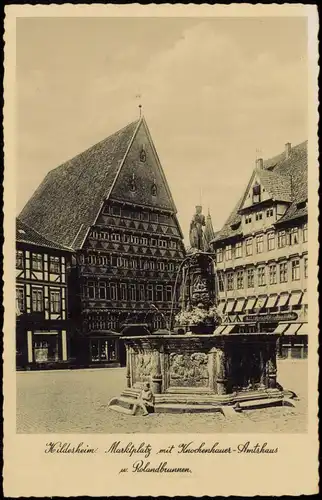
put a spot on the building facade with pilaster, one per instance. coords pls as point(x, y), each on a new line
point(262, 253)
point(112, 205)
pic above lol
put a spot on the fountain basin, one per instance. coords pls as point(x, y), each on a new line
point(202, 373)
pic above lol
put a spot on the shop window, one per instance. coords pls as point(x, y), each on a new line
point(103, 350)
point(19, 259)
point(37, 300)
point(45, 348)
point(36, 262)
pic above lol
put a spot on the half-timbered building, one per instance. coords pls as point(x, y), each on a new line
point(113, 206)
point(42, 338)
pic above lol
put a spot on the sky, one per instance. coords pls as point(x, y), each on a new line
point(215, 93)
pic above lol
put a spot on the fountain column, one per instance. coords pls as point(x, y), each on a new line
point(271, 366)
point(222, 372)
point(157, 375)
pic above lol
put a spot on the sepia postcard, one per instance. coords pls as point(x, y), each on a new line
point(161, 250)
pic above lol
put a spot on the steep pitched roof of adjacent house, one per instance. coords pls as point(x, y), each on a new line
point(209, 232)
point(26, 234)
point(285, 179)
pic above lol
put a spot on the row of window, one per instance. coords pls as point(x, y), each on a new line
point(137, 240)
point(37, 300)
point(283, 238)
point(265, 275)
point(259, 215)
point(37, 262)
point(137, 214)
point(129, 263)
point(130, 292)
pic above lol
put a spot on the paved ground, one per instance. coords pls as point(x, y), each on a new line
point(76, 401)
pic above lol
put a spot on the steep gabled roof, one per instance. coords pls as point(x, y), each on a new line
point(68, 200)
point(286, 179)
point(26, 234)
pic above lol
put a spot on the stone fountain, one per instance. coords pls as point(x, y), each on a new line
point(193, 367)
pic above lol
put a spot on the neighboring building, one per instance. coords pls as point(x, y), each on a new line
point(41, 300)
point(262, 251)
point(113, 206)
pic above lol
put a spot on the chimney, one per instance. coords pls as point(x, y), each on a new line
point(259, 163)
point(288, 149)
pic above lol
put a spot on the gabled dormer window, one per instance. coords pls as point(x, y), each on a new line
point(256, 193)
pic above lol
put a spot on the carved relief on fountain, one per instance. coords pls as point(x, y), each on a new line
point(144, 365)
point(189, 369)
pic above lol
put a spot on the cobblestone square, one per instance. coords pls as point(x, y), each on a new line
point(76, 402)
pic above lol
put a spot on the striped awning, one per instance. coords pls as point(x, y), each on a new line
point(239, 305)
point(303, 330)
point(230, 306)
point(271, 302)
point(228, 329)
point(250, 303)
point(221, 306)
point(295, 298)
point(281, 327)
point(219, 329)
point(261, 301)
point(292, 329)
point(283, 299)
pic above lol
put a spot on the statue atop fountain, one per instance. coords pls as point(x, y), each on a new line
point(196, 236)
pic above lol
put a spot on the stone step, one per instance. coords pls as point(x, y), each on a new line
point(259, 403)
point(121, 409)
point(186, 408)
